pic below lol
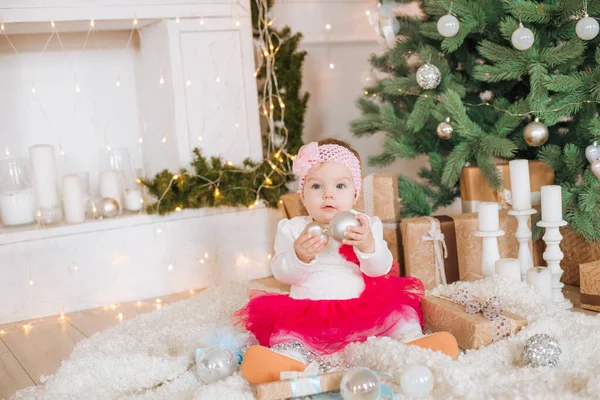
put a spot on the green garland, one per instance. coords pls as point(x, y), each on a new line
point(213, 181)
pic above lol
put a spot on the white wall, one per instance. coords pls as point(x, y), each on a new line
point(348, 45)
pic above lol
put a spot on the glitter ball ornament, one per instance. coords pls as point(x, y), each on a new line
point(445, 130)
point(448, 25)
point(428, 76)
point(535, 133)
point(522, 38)
point(587, 28)
point(541, 351)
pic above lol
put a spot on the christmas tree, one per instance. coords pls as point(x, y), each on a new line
point(464, 84)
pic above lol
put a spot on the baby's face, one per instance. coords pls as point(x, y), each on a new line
point(328, 189)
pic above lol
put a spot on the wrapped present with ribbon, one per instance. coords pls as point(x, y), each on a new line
point(444, 249)
point(291, 205)
point(297, 384)
point(474, 323)
point(590, 285)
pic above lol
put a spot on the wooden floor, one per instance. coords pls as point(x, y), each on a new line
point(34, 348)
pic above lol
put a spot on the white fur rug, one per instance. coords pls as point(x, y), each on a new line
point(131, 360)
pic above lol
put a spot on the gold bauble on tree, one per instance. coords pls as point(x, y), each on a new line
point(535, 133)
point(445, 130)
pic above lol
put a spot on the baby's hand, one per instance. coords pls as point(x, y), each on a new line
point(307, 246)
point(360, 237)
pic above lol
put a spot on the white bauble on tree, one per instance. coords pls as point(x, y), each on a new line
point(428, 76)
point(535, 133)
point(587, 28)
point(448, 25)
point(522, 38)
point(368, 79)
point(592, 152)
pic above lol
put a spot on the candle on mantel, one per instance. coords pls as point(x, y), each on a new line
point(510, 268)
point(551, 203)
point(73, 199)
point(541, 279)
point(520, 187)
point(133, 199)
point(488, 217)
point(110, 186)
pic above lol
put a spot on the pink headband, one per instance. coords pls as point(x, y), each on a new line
point(312, 154)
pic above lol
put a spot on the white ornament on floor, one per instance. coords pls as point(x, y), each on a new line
point(541, 279)
point(417, 381)
point(360, 384)
point(552, 221)
point(215, 363)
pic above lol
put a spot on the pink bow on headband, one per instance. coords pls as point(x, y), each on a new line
point(307, 156)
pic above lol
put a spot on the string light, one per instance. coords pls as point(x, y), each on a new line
point(75, 266)
point(229, 163)
point(188, 83)
point(77, 88)
point(141, 140)
point(177, 20)
point(164, 139)
point(62, 151)
point(269, 256)
point(218, 79)
point(368, 13)
point(161, 81)
point(331, 65)
point(139, 303)
point(158, 301)
point(52, 24)
point(217, 193)
point(30, 281)
point(158, 230)
point(237, 124)
point(6, 150)
point(107, 148)
point(170, 267)
point(135, 22)
point(205, 254)
point(32, 89)
point(237, 23)
point(191, 291)
point(175, 177)
point(178, 209)
point(1, 27)
point(328, 27)
point(200, 138)
point(92, 23)
point(120, 316)
point(118, 83)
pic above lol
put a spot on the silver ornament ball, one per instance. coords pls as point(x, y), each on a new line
point(216, 363)
point(535, 133)
point(587, 28)
point(522, 38)
point(368, 79)
point(417, 381)
point(108, 207)
point(315, 229)
point(592, 152)
point(541, 351)
point(339, 223)
point(445, 130)
point(428, 76)
point(448, 25)
point(360, 383)
point(596, 168)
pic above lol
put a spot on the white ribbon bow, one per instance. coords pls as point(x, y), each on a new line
point(311, 369)
point(304, 383)
point(435, 235)
point(383, 25)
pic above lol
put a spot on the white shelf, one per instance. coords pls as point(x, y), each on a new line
point(10, 235)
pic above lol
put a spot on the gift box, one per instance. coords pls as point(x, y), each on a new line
point(443, 249)
point(292, 206)
point(300, 386)
point(472, 330)
point(590, 285)
point(576, 251)
point(475, 189)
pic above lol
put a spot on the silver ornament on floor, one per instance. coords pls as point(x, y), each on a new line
point(445, 130)
point(541, 351)
point(592, 152)
point(596, 168)
point(360, 383)
point(428, 76)
point(215, 363)
point(587, 28)
point(339, 223)
point(522, 38)
point(417, 381)
point(535, 133)
point(108, 207)
point(315, 229)
point(448, 25)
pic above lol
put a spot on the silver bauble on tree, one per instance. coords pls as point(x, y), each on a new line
point(535, 133)
point(445, 130)
point(541, 351)
point(592, 152)
point(339, 223)
point(360, 383)
point(428, 76)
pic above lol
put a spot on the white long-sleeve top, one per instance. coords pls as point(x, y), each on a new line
point(329, 276)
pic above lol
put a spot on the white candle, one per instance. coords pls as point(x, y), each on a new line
point(18, 207)
point(133, 199)
point(551, 203)
point(510, 268)
point(519, 185)
point(109, 186)
point(488, 217)
point(73, 199)
point(44, 175)
point(541, 279)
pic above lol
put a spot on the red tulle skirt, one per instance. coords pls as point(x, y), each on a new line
point(327, 326)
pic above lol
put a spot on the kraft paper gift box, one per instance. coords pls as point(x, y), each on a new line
point(424, 253)
point(475, 189)
point(472, 331)
point(590, 285)
point(301, 386)
point(577, 251)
